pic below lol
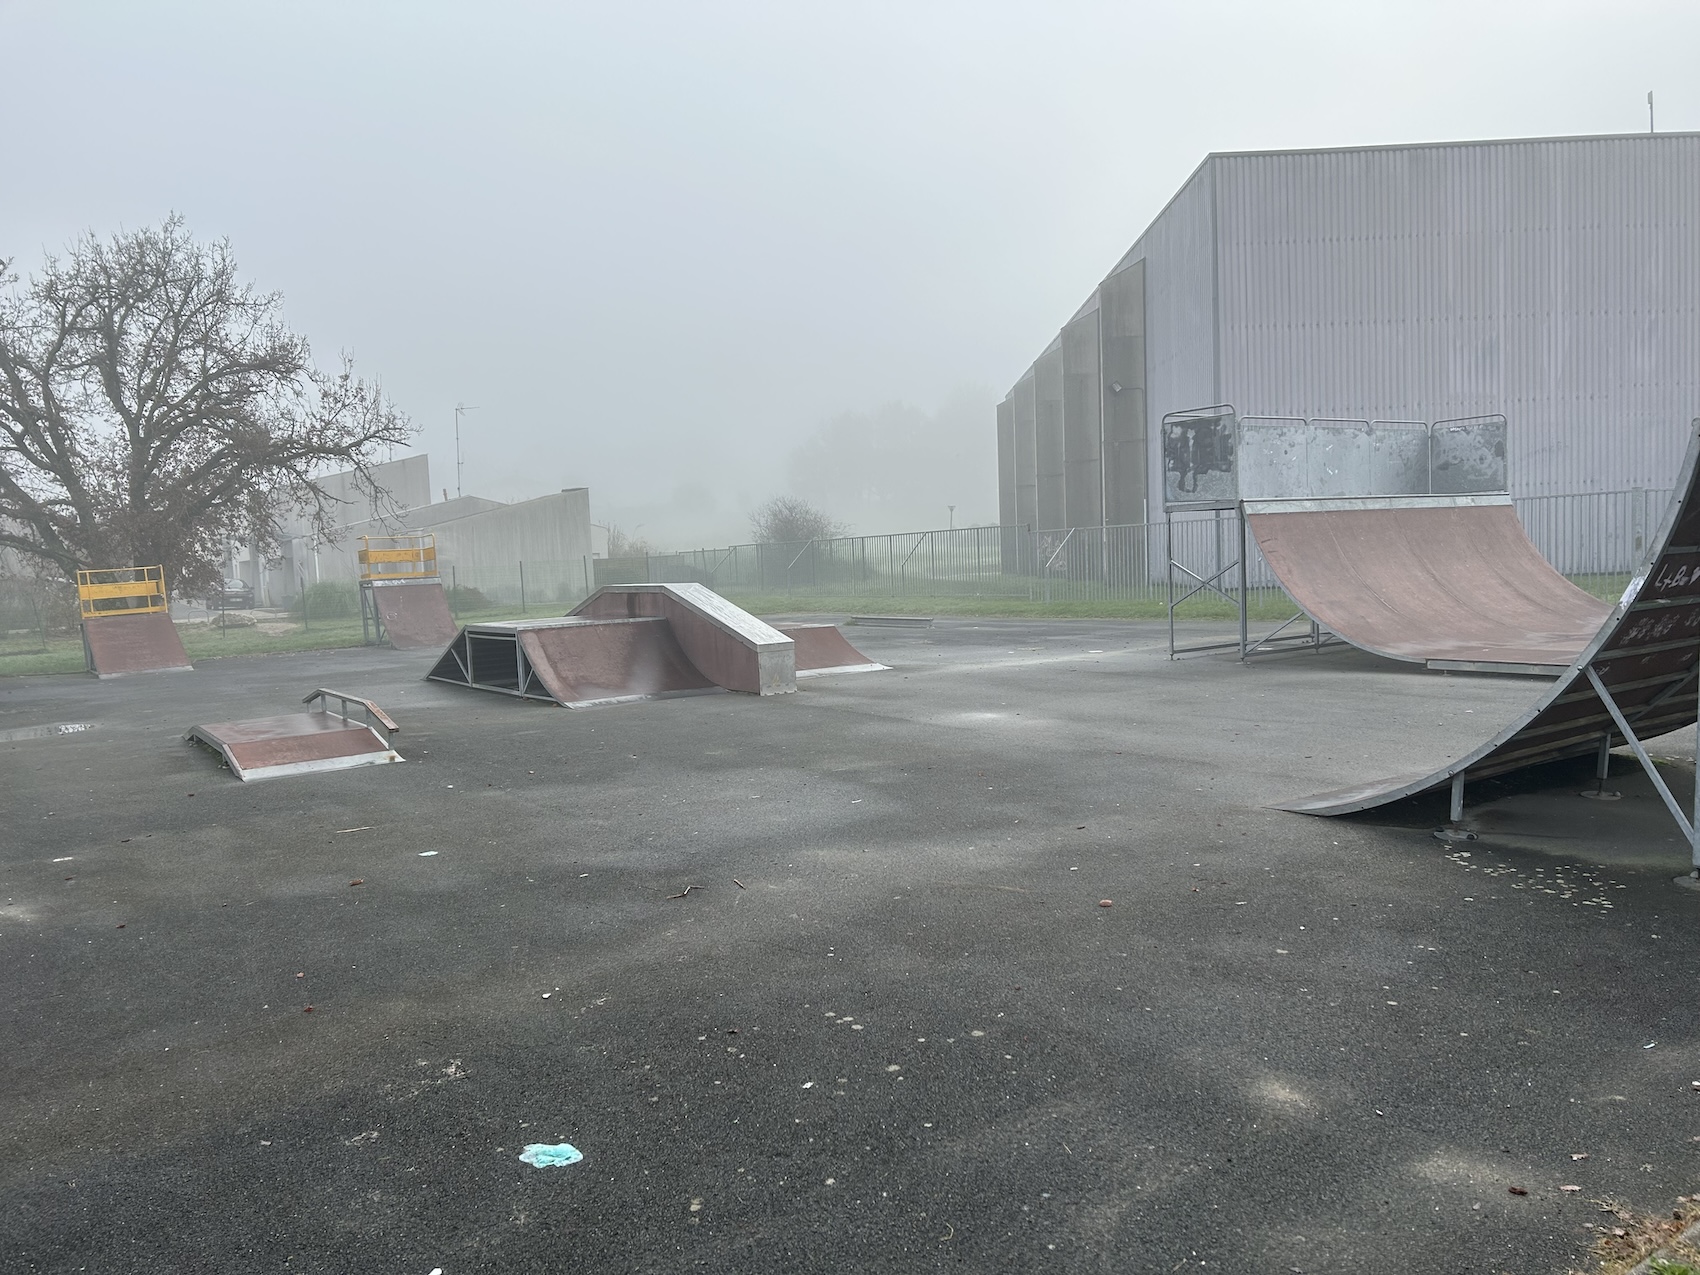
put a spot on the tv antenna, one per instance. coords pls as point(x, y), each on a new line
point(461, 409)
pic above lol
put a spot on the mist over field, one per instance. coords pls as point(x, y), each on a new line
point(696, 256)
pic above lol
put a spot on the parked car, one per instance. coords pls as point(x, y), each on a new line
point(236, 596)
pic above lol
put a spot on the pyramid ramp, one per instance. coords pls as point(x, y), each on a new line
point(1452, 582)
point(576, 662)
point(117, 645)
point(728, 645)
point(321, 739)
point(822, 649)
point(1635, 679)
point(412, 614)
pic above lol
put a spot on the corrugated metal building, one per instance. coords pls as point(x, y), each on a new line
point(1555, 280)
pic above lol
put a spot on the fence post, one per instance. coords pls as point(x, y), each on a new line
point(522, 586)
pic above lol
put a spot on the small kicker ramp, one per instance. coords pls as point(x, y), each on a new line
point(413, 614)
point(1633, 680)
point(822, 649)
point(302, 743)
point(1452, 582)
point(625, 643)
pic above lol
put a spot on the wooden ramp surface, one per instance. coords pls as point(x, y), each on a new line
point(823, 649)
point(1439, 580)
point(414, 616)
point(294, 744)
point(118, 645)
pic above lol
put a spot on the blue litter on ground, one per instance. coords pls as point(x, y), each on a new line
point(543, 1155)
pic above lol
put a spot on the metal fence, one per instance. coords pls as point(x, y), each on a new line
point(1585, 536)
point(1595, 538)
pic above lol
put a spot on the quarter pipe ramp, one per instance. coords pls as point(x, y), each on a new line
point(413, 614)
point(822, 649)
point(116, 644)
point(1448, 581)
point(1634, 679)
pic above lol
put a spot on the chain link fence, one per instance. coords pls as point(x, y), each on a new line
point(1595, 538)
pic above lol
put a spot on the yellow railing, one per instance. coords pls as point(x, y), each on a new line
point(405, 557)
point(121, 591)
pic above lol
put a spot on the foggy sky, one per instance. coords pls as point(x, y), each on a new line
point(662, 246)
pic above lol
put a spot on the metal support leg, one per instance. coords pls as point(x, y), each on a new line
point(1457, 812)
point(1239, 509)
point(1634, 742)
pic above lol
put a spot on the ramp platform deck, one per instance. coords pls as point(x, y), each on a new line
point(301, 743)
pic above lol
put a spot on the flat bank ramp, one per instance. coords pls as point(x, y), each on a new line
point(1634, 679)
point(117, 645)
point(822, 649)
point(414, 615)
point(300, 743)
point(1447, 581)
point(575, 662)
point(731, 647)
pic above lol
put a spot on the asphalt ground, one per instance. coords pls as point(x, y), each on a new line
point(892, 1030)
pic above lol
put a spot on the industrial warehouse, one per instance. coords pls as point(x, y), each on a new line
point(1555, 281)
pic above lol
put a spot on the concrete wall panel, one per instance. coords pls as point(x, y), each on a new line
point(1048, 437)
point(1083, 424)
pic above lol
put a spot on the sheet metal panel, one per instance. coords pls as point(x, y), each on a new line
point(1646, 655)
point(1554, 280)
point(1126, 430)
point(1006, 463)
point(1083, 424)
point(1024, 405)
point(1048, 438)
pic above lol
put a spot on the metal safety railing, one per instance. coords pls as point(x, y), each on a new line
point(410, 555)
point(106, 591)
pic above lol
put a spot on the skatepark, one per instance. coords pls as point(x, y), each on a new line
point(312, 1021)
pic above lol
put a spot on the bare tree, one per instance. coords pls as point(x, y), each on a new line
point(790, 518)
point(624, 544)
point(153, 407)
